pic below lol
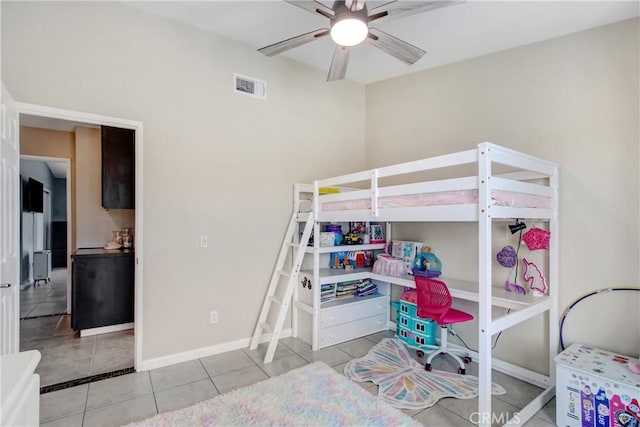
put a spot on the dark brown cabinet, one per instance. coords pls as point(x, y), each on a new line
point(59, 244)
point(118, 168)
point(102, 288)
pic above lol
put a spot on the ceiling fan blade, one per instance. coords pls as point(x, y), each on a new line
point(339, 62)
point(313, 7)
point(285, 45)
point(397, 9)
point(405, 52)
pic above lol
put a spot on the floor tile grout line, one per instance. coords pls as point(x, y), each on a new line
point(446, 409)
point(116, 401)
point(93, 355)
point(209, 375)
point(86, 400)
point(153, 393)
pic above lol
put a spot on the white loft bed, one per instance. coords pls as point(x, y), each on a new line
point(488, 196)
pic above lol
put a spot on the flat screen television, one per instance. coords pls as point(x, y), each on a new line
point(32, 196)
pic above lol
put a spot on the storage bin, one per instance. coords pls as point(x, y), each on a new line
point(327, 238)
point(595, 388)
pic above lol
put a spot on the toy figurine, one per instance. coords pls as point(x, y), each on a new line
point(426, 263)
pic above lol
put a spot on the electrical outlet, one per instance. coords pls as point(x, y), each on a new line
point(204, 241)
point(213, 316)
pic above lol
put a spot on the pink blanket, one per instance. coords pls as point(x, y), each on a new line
point(460, 197)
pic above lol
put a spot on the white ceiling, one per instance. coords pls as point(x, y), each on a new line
point(53, 124)
point(58, 169)
point(448, 34)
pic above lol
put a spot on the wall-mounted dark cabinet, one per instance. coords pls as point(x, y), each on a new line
point(58, 244)
point(118, 168)
point(102, 288)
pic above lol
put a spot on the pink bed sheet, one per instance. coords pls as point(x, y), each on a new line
point(460, 197)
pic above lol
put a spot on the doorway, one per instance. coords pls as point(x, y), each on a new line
point(59, 326)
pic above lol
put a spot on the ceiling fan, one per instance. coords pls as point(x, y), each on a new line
point(350, 25)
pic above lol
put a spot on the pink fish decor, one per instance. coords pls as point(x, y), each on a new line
point(537, 238)
point(534, 277)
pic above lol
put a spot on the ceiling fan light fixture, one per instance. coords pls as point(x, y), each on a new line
point(349, 31)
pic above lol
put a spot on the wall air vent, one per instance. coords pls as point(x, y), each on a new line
point(249, 86)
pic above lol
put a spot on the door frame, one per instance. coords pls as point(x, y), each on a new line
point(137, 126)
point(70, 219)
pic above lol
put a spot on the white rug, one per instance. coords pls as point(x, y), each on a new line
point(314, 395)
point(404, 383)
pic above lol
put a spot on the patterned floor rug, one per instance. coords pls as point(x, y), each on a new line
point(404, 383)
point(314, 395)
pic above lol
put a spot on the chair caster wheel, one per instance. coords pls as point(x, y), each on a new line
point(461, 371)
point(427, 367)
point(466, 359)
point(420, 353)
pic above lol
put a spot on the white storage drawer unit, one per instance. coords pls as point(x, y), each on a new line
point(354, 311)
point(352, 330)
point(342, 319)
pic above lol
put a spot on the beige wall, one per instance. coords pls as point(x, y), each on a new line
point(215, 162)
point(46, 142)
point(572, 100)
point(94, 224)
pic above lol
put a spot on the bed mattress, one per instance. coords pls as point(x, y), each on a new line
point(442, 198)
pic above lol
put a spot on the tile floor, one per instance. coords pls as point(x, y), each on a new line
point(132, 397)
point(45, 298)
point(66, 356)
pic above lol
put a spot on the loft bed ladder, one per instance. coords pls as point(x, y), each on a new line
point(280, 278)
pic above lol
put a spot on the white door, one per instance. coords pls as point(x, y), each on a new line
point(9, 225)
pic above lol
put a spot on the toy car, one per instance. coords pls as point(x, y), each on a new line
point(353, 239)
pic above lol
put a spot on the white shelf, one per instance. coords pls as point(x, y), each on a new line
point(462, 289)
point(343, 248)
point(351, 300)
point(335, 275)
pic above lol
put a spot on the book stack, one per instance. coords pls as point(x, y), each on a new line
point(327, 292)
point(366, 287)
point(347, 289)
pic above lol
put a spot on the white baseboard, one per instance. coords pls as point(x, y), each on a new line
point(186, 356)
point(105, 329)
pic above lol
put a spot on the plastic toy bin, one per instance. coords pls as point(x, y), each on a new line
point(595, 388)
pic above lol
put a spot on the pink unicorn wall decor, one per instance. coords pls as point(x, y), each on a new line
point(534, 277)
